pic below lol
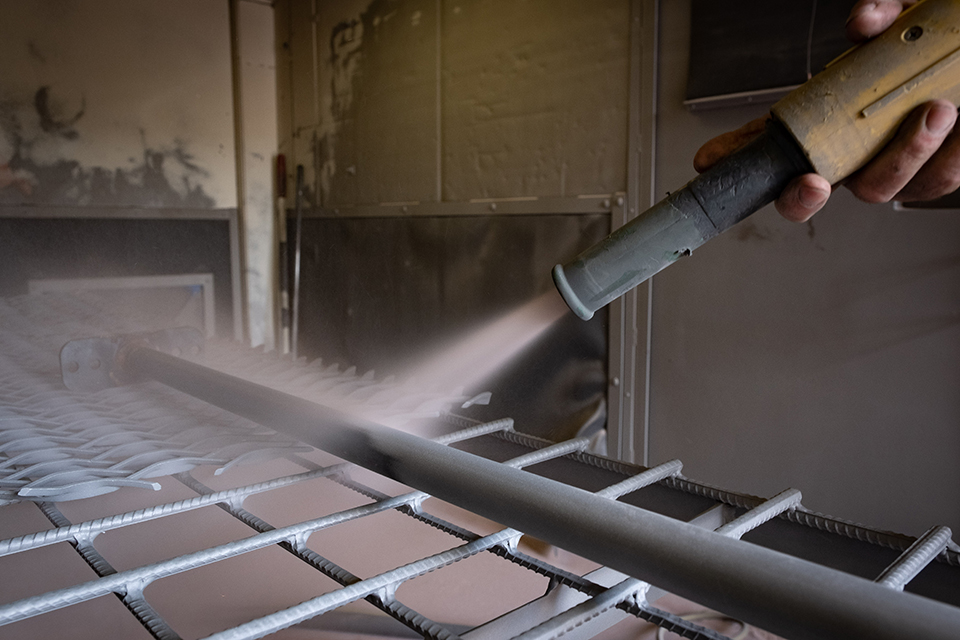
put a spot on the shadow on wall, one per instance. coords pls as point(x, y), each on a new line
point(35, 167)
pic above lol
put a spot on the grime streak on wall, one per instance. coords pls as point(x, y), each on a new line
point(345, 42)
point(36, 166)
point(376, 140)
point(472, 100)
point(116, 103)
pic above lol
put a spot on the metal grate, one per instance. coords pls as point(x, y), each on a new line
point(59, 447)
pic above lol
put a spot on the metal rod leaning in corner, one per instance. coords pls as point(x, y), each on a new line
point(297, 241)
point(788, 596)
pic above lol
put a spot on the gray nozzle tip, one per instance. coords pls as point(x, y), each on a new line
point(568, 294)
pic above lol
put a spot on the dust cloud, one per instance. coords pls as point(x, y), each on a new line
point(472, 359)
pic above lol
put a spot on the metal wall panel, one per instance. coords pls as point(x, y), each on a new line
point(534, 98)
point(421, 100)
point(377, 89)
point(825, 352)
point(380, 293)
point(116, 103)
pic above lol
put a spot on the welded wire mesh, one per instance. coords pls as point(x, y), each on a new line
point(139, 511)
point(58, 445)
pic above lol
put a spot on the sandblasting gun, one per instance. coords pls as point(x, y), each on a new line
point(833, 124)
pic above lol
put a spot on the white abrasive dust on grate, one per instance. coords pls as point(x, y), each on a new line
point(58, 445)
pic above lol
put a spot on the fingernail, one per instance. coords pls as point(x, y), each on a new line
point(940, 119)
point(811, 197)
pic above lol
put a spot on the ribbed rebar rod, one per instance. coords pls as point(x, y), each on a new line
point(548, 453)
point(133, 599)
point(599, 603)
point(582, 613)
point(641, 480)
point(763, 512)
point(783, 594)
point(555, 574)
point(384, 584)
point(506, 424)
point(426, 627)
point(799, 515)
point(913, 560)
point(140, 577)
point(82, 544)
point(94, 527)
point(670, 621)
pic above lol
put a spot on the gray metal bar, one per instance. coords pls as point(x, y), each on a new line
point(555, 574)
point(132, 599)
point(93, 527)
point(421, 624)
point(589, 616)
point(384, 585)
point(764, 512)
point(783, 594)
point(913, 560)
point(671, 622)
point(641, 480)
point(549, 453)
point(811, 519)
point(576, 617)
point(139, 578)
point(475, 432)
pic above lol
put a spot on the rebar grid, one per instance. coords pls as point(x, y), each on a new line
point(132, 583)
point(56, 445)
point(418, 622)
point(101, 455)
point(132, 598)
point(386, 584)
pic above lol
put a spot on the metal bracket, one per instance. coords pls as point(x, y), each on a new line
point(92, 364)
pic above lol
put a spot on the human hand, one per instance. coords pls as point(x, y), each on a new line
point(922, 162)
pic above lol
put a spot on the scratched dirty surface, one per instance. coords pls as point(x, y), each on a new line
point(116, 104)
point(392, 102)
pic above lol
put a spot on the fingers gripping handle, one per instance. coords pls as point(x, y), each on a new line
point(833, 124)
point(848, 112)
point(709, 205)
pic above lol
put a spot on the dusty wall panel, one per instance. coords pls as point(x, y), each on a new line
point(116, 103)
point(303, 92)
point(378, 94)
point(534, 98)
point(497, 99)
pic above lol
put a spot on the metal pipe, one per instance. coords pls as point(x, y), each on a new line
point(788, 596)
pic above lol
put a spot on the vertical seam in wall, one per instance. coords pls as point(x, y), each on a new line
point(631, 392)
point(318, 184)
point(648, 78)
point(653, 74)
point(646, 378)
point(439, 10)
point(234, 24)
